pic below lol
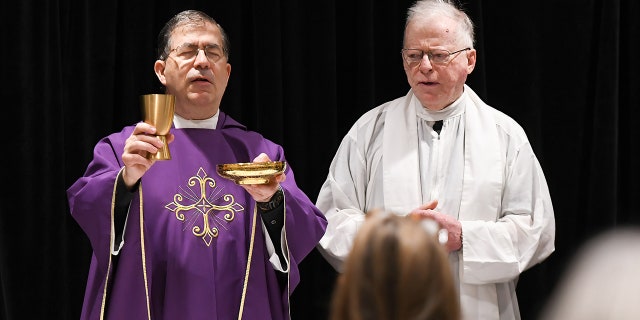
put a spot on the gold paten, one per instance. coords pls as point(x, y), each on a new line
point(251, 172)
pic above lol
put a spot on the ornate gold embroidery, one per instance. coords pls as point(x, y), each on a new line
point(202, 203)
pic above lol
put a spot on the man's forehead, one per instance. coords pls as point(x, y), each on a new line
point(196, 33)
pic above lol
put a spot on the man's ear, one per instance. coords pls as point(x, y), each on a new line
point(471, 58)
point(158, 67)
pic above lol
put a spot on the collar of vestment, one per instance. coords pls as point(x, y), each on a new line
point(483, 163)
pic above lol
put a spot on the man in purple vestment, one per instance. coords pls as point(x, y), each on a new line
point(173, 240)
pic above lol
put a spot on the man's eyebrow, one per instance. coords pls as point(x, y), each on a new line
point(191, 44)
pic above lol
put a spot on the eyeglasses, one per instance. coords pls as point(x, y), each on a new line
point(413, 57)
point(188, 51)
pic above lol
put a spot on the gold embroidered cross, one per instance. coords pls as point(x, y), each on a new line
point(198, 200)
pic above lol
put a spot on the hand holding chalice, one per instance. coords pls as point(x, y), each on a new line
point(157, 110)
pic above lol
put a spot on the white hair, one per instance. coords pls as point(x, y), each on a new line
point(426, 10)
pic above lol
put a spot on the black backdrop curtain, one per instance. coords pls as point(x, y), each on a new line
point(302, 72)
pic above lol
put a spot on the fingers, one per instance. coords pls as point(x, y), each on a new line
point(429, 205)
point(146, 133)
point(138, 145)
point(142, 144)
point(424, 210)
point(260, 192)
point(170, 137)
point(264, 192)
point(419, 214)
point(263, 157)
point(143, 141)
point(143, 127)
point(280, 178)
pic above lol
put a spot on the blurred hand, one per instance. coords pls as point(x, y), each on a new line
point(452, 225)
point(140, 143)
point(264, 192)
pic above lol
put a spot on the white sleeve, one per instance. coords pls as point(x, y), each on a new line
point(523, 235)
point(341, 199)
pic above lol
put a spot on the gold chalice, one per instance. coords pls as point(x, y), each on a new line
point(157, 110)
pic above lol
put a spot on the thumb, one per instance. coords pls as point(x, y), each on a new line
point(263, 157)
point(429, 205)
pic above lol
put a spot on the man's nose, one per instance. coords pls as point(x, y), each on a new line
point(425, 62)
point(201, 59)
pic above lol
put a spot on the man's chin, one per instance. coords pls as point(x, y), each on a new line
point(426, 97)
point(201, 97)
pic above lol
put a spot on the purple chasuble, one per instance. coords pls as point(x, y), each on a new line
point(189, 259)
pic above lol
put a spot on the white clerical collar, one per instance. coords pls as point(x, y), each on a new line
point(182, 123)
point(456, 108)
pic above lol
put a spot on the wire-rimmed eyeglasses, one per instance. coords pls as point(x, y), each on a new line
point(188, 51)
point(413, 57)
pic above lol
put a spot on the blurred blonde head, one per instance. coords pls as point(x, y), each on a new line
point(397, 269)
point(603, 281)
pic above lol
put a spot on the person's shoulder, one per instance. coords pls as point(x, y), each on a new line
point(233, 129)
point(225, 121)
point(500, 116)
point(374, 113)
point(123, 134)
point(508, 124)
point(503, 121)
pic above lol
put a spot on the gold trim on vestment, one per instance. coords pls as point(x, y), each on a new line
point(246, 274)
point(231, 208)
point(112, 236)
point(144, 256)
point(111, 244)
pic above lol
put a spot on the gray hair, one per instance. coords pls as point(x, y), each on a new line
point(426, 10)
point(187, 18)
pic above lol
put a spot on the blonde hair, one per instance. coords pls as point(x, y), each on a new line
point(397, 269)
point(602, 281)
